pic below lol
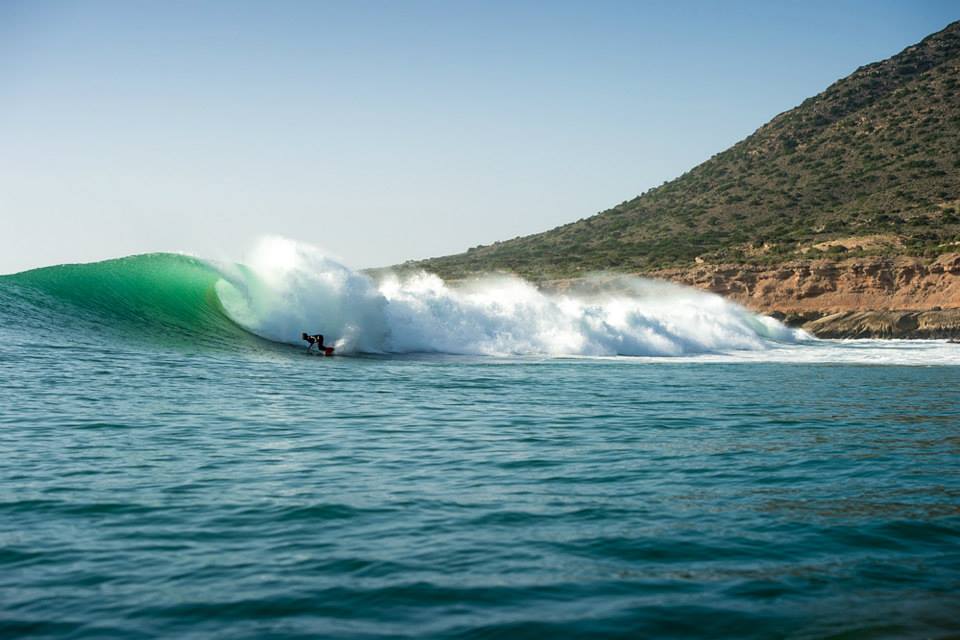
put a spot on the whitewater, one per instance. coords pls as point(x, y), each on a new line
point(286, 287)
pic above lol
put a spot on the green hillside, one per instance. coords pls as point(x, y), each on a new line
point(875, 157)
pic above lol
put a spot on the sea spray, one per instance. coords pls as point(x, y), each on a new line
point(285, 287)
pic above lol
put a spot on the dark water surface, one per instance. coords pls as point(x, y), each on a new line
point(162, 493)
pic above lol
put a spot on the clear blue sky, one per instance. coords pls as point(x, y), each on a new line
point(385, 131)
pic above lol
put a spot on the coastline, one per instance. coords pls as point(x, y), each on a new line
point(875, 297)
point(914, 325)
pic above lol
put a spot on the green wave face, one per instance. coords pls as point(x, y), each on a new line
point(154, 297)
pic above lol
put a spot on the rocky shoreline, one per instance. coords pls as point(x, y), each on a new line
point(903, 297)
point(915, 325)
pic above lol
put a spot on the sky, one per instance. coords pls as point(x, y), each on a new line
point(386, 131)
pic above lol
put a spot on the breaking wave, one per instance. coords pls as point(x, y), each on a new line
point(284, 288)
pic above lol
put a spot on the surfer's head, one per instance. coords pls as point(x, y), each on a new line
point(304, 336)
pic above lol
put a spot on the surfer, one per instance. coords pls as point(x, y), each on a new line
point(314, 340)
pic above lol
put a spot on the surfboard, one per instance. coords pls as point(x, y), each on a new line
point(328, 351)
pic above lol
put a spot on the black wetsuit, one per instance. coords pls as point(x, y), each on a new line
point(314, 340)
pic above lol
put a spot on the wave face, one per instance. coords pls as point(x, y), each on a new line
point(285, 288)
point(151, 298)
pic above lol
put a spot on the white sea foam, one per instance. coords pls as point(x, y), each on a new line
point(285, 288)
point(862, 351)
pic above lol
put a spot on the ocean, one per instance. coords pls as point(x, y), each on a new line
point(477, 461)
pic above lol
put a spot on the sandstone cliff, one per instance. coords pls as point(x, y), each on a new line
point(872, 297)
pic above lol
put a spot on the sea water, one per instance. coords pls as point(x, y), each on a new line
point(484, 460)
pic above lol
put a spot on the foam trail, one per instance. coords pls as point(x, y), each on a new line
point(288, 287)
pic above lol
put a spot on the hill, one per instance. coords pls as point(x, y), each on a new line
point(867, 169)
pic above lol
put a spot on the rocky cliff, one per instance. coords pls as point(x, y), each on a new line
point(871, 297)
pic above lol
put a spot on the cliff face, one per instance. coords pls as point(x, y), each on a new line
point(871, 297)
point(869, 284)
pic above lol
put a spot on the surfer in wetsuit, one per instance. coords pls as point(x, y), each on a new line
point(314, 340)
